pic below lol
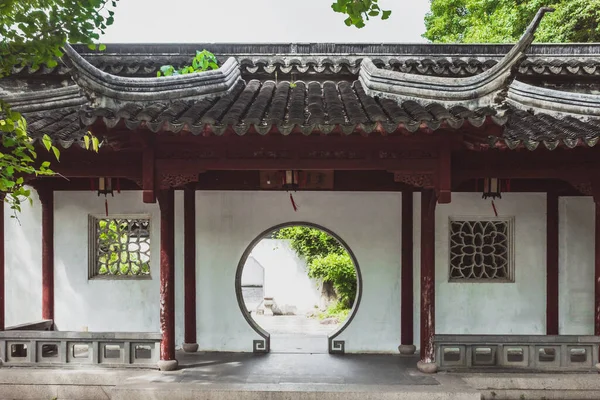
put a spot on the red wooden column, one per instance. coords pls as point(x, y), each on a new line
point(166, 202)
point(428, 202)
point(47, 200)
point(2, 275)
point(406, 277)
point(189, 269)
point(551, 263)
point(597, 272)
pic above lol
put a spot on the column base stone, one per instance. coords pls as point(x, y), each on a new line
point(407, 349)
point(190, 347)
point(167, 365)
point(597, 366)
point(427, 367)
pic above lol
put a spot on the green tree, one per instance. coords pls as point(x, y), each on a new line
point(327, 260)
point(32, 33)
point(359, 11)
point(504, 21)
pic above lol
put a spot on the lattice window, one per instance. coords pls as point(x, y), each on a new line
point(119, 247)
point(481, 249)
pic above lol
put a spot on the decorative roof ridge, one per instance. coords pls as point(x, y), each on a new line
point(104, 89)
point(527, 97)
point(45, 100)
point(479, 90)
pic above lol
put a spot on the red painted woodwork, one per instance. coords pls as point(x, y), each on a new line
point(167, 274)
point(148, 178)
point(2, 268)
point(47, 200)
point(428, 202)
point(189, 263)
point(444, 177)
point(406, 272)
point(597, 272)
point(551, 264)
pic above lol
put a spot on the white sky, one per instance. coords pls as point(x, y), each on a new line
point(213, 21)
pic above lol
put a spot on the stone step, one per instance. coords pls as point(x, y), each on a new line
point(189, 391)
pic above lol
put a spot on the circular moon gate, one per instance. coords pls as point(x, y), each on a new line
point(263, 345)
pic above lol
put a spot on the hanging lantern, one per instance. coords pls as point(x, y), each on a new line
point(290, 180)
point(492, 188)
point(105, 186)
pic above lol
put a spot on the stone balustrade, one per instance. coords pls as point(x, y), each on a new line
point(533, 352)
point(90, 349)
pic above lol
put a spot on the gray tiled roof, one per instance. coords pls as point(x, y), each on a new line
point(310, 108)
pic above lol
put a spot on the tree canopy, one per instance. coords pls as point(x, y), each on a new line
point(504, 21)
point(32, 33)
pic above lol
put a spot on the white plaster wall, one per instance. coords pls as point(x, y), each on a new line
point(101, 304)
point(228, 221)
point(490, 308)
point(253, 273)
point(286, 276)
point(576, 266)
point(23, 246)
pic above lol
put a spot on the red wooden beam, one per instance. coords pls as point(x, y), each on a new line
point(189, 264)
point(47, 200)
point(428, 202)
point(167, 279)
point(2, 268)
point(406, 278)
point(552, 263)
point(179, 166)
point(148, 174)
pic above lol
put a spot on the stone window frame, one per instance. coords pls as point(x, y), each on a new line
point(510, 220)
point(93, 269)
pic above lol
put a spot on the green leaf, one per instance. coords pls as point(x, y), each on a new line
point(348, 21)
point(102, 47)
point(92, 46)
point(47, 142)
point(46, 164)
point(56, 153)
point(386, 14)
point(95, 144)
point(86, 141)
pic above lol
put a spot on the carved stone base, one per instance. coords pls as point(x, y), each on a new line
point(427, 367)
point(190, 347)
point(407, 349)
point(597, 367)
point(167, 365)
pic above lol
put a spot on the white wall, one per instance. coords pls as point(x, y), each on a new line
point(253, 273)
point(370, 224)
point(228, 221)
point(23, 247)
point(490, 308)
point(286, 276)
point(576, 267)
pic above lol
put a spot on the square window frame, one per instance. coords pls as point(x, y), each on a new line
point(92, 262)
point(510, 220)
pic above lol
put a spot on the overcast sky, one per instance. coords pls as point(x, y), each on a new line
point(210, 21)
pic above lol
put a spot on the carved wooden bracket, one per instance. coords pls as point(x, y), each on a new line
point(169, 180)
point(417, 179)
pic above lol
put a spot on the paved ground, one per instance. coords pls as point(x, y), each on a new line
point(295, 333)
point(235, 376)
point(299, 368)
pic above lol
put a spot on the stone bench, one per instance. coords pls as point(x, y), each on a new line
point(101, 349)
point(534, 352)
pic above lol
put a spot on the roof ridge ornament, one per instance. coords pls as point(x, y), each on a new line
point(108, 90)
point(485, 89)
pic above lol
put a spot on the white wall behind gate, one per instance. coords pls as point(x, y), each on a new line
point(228, 221)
